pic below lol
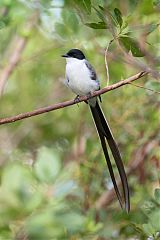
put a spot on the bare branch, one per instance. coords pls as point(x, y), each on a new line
point(13, 60)
point(19, 43)
point(71, 102)
point(4, 11)
point(106, 62)
point(148, 89)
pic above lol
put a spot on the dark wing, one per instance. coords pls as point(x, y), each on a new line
point(93, 74)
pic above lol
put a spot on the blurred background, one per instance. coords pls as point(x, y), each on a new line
point(54, 179)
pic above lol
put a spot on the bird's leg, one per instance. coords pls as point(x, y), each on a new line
point(76, 100)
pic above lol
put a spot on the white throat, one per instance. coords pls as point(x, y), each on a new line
point(73, 60)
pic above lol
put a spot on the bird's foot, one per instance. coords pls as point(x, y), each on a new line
point(77, 99)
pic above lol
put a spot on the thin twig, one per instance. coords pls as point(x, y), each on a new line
point(148, 89)
point(106, 62)
point(71, 102)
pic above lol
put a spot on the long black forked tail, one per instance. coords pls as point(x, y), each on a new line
point(104, 132)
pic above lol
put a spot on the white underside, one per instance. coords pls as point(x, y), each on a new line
point(78, 77)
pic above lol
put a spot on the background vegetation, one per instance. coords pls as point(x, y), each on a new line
point(54, 179)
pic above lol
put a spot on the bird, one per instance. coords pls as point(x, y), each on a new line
point(82, 79)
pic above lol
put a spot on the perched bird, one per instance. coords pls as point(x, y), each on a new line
point(82, 79)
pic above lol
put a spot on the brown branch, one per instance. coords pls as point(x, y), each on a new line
point(139, 157)
point(4, 11)
point(19, 43)
point(13, 60)
point(71, 102)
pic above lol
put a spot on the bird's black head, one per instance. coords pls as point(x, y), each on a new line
point(74, 53)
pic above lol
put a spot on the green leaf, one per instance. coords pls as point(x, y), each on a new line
point(64, 188)
point(2, 24)
point(135, 49)
point(87, 5)
point(100, 14)
point(17, 194)
point(71, 220)
point(148, 229)
point(99, 25)
point(118, 16)
point(131, 45)
point(154, 220)
point(21, 175)
point(157, 195)
point(70, 19)
point(102, 8)
point(61, 30)
point(47, 165)
point(4, 21)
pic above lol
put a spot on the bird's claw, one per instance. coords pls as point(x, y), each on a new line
point(77, 99)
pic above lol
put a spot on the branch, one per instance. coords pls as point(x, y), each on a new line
point(4, 11)
point(19, 43)
point(146, 88)
point(72, 102)
point(14, 58)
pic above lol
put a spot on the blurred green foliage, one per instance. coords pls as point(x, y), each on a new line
point(52, 168)
point(32, 200)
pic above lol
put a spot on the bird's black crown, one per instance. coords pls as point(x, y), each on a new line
point(74, 53)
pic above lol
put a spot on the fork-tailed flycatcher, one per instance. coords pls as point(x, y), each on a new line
point(82, 79)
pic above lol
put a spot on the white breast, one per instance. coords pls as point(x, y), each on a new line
point(78, 77)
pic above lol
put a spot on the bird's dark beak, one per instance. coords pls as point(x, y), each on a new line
point(64, 55)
